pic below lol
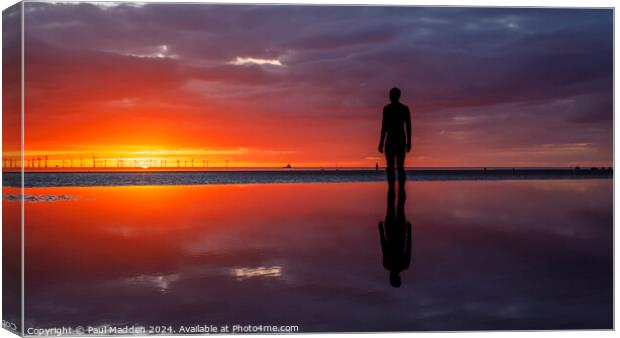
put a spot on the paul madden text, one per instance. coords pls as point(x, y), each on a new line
point(110, 330)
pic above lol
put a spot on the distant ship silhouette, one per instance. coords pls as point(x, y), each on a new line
point(288, 166)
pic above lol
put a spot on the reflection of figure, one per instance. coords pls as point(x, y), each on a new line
point(395, 234)
point(395, 140)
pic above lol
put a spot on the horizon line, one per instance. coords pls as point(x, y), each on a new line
point(224, 169)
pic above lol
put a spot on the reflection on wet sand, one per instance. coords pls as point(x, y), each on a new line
point(488, 255)
point(395, 234)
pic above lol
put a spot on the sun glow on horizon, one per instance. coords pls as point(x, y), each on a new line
point(131, 157)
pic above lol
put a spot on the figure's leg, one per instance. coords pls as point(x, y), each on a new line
point(400, 163)
point(390, 161)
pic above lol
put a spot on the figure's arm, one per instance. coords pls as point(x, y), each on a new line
point(408, 126)
point(408, 246)
point(383, 245)
point(383, 132)
point(382, 234)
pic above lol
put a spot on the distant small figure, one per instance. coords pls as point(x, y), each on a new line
point(395, 137)
point(377, 166)
point(577, 168)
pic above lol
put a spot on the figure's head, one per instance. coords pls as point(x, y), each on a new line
point(394, 279)
point(394, 94)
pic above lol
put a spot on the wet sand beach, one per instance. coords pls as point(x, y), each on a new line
point(509, 254)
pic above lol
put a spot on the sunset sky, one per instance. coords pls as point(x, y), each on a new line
point(270, 85)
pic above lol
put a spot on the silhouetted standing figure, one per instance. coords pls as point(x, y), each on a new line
point(395, 233)
point(395, 137)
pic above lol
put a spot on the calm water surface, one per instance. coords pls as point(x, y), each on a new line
point(485, 255)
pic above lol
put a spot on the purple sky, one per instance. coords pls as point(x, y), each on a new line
point(306, 84)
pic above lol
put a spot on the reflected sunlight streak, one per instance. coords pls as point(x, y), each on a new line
point(245, 273)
